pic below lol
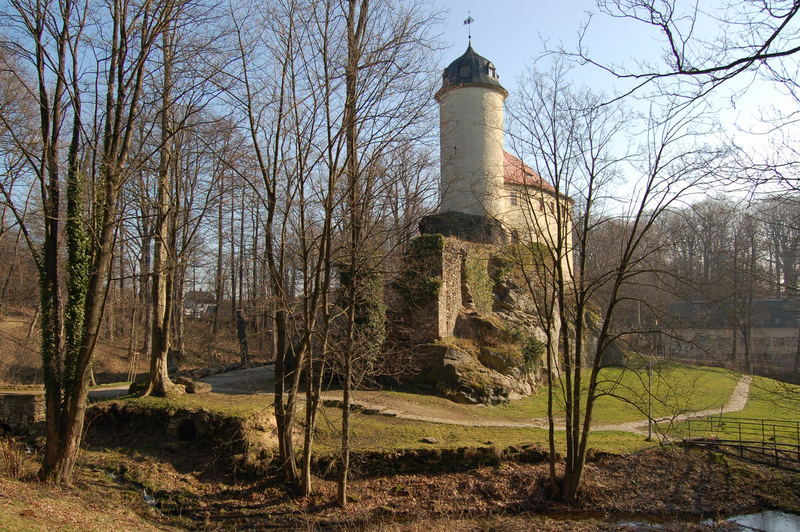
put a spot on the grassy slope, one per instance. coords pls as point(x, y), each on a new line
point(678, 389)
point(241, 406)
point(380, 433)
point(771, 399)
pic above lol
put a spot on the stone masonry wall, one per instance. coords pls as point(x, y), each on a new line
point(444, 277)
point(449, 300)
point(20, 411)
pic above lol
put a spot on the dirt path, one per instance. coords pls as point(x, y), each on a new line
point(260, 380)
point(384, 405)
point(95, 394)
point(437, 410)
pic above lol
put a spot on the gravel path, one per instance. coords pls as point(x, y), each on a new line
point(736, 402)
point(260, 380)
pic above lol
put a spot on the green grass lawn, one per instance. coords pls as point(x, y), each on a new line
point(373, 432)
point(241, 406)
point(768, 400)
point(771, 399)
point(369, 432)
point(676, 389)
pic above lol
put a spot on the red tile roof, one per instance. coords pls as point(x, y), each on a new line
point(515, 172)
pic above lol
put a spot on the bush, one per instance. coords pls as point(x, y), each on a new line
point(13, 458)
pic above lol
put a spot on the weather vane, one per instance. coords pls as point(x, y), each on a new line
point(468, 21)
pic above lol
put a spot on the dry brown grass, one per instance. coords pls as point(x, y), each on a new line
point(20, 358)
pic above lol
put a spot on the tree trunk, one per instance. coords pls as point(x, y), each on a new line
point(241, 324)
point(219, 279)
point(241, 334)
point(145, 286)
point(283, 414)
point(314, 375)
point(356, 24)
point(163, 269)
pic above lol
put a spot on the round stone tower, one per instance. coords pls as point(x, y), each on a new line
point(471, 137)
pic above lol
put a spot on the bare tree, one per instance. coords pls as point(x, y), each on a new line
point(570, 137)
point(56, 36)
point(749, 35)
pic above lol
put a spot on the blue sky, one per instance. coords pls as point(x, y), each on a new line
point(514, 33)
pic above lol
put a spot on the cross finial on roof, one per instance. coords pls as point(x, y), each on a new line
point(468, 21)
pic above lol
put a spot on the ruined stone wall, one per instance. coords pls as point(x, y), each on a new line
point(443, 278)
point(450, 302)
point(19, 411)
point(476, 335)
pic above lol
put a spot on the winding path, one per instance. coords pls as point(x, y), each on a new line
point(260, 380)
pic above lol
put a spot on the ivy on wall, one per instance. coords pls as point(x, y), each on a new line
point(370, 310)
point(481, 285)
point(421, 281)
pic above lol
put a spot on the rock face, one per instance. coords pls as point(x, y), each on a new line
point(461, 376)
point(465, 310)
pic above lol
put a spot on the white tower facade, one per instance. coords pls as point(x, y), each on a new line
point(471, 137)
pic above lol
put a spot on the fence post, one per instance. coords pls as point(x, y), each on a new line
point(775, 444)
point(741, 445)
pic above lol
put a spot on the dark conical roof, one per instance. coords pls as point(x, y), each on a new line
point(470, 68)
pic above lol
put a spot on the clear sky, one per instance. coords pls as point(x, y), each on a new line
point(514, 33)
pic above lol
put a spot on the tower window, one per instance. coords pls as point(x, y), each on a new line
point(513, 198)
point(464, 71)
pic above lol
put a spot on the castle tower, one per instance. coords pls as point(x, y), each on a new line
point(471, 137)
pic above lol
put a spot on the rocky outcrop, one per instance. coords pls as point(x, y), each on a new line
point(477, 336)
point(470, 310)
point(458, 373)
point(193, 386)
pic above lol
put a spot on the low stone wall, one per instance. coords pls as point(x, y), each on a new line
point(365, 464)
point(18, 411)
point(242, 444)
